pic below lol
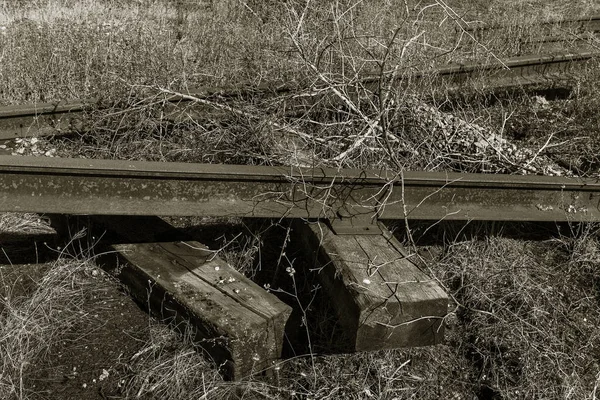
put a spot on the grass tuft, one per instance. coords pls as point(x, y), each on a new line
point(529, 312)
point(168, 367)
point(33, 321)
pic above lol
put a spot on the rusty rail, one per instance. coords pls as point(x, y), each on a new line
point(578, 26)
point(97, 187)
point(66, 117)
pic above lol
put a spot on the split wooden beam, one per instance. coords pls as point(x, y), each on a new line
point(383, 300)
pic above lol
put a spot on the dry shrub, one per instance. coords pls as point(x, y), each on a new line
point(116, 51)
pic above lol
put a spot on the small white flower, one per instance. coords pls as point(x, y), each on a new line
point(104, 375)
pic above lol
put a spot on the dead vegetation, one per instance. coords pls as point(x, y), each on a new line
point(525, 312)
point(34, 320)
point(132, 55)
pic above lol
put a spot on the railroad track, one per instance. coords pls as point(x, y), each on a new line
point(66, 117)
point(575, 27)
point(242, 323)
point(102, 187)
point(345, 208)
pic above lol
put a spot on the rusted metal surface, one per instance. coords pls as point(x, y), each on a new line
point(42, 119)
point(579, 26)
point(537, 65)
point(523, 71)
point(61, 118)
point(101, 187)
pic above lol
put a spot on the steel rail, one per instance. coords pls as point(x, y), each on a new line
point(583, 25)
point(102, 187)
point(59, 118)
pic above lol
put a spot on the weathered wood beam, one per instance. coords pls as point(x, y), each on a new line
point(237, 323)
point(383, 300)
point(240, 325)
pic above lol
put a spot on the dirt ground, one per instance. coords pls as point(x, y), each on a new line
point(523, 307)
point(90, 360)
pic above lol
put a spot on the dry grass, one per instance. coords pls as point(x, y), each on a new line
point(60, 49)
point(170, 367)
point(32, 322)
point(132, 54)
point(563, 131)
point(24, 224)
point(524, 327)
point(526, 311)
point(529, 312)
